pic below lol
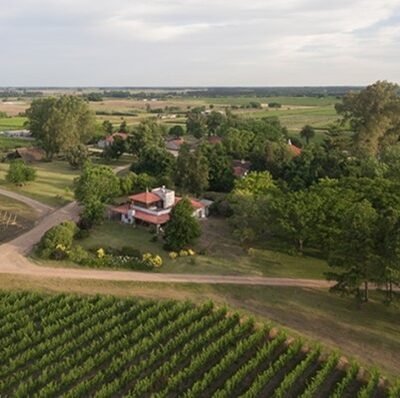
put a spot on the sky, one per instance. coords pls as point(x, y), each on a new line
point(199, 42)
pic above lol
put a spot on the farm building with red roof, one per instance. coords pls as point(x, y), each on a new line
point(154, 207)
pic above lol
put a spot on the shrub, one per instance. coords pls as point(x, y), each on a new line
point(79, 255)
point(152, 260)
point(131, 252)
point(173, 255)
point(100, 253)
point(60, 236)
point(20, 173)
point(183, 253)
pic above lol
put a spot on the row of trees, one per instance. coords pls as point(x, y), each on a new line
point(353, 222)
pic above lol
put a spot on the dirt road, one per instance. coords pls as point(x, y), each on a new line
point(13, 261)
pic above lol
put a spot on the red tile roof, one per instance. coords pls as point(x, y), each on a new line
point(214, 139)
point(295, 150)
point(195, 203)
point(145, 197)
point(151, 218)
point(240, 171)
point(111, 137)
point(123, 209)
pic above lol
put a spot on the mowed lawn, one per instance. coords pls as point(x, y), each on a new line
point(53, 184)
point(15, 218)
point(222, 253)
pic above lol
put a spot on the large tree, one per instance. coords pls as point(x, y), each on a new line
point(354, 254)
point(196, 122)
point(307, 133)
point(374, 116)
point(60, 123)
point(96, 183)
point(183, 228)
point(148, 133)
point(191, 173)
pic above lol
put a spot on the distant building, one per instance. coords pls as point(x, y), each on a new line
point(241, 168)
point(28, 155)
point(294, 149)
point(154, 208)
point(173, 145)
point(104, 143)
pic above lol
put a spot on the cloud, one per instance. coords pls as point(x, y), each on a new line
point(199, 42)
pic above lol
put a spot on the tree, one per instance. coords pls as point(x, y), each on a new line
point(148, 133)
point(374, 116)
point(154, 161)
point(196, 122)
point(191, 173)
point(238, 142)
point(96, 182)
point(183, 228)
point(116, 149)
point(20, 173)
point(354, 252)
point(248, 201)
point(215, 121)
point(177, 131)
point(307, 133)
point(107, 127)
point(77, 156)
point(123, 127)
point(60, 123)
point(220, 170)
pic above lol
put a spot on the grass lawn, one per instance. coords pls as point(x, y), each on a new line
point(25, 218)
point(223, 254)
point(370, 334)
point(12, 123)
point(53, 184)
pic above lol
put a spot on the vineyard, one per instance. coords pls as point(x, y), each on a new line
point(71, 346)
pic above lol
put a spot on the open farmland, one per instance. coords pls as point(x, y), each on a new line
point(12, 123)
point(65, 345)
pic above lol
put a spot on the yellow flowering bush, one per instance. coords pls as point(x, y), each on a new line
point(101, 253)
point(191, 252)
point(183, 253)
point(173, 255)
point(61, 247)
point(153, 260)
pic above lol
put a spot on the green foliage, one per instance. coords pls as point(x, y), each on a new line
point(20, 173)
point(183, 228)
point(200, 350)
point(373, 114)
point(60, 123)
point(196, 122)
point(116, 149)
point(307, 133)
point(96, 183)
point(57, 238)
point(77, 156)
point(192, 170)
point(176, 131)
point(155, 161)
point(107, 127)
point(147, 134)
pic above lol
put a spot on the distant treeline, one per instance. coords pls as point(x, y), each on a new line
point(4, 93)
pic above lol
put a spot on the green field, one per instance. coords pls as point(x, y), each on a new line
point(104, 346)
point(53, 184)
point(8, 143)
point(12, 123)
